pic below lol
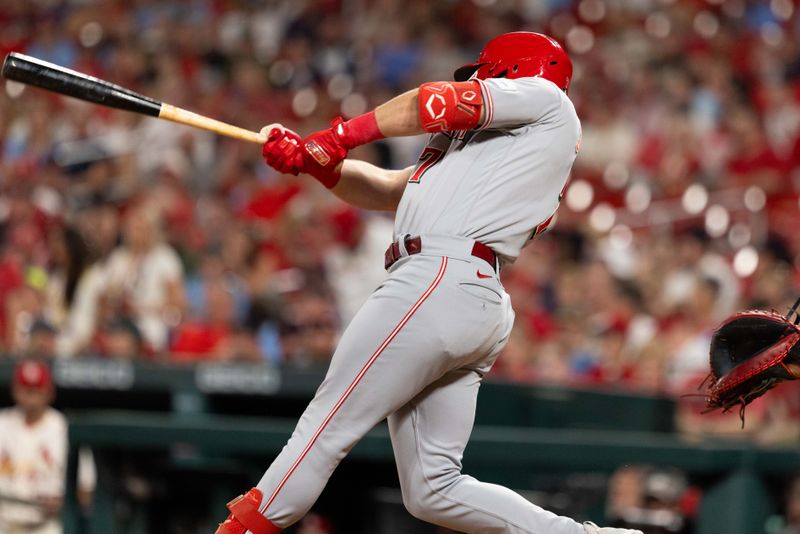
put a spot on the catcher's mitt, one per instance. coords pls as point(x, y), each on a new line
point(752, 352)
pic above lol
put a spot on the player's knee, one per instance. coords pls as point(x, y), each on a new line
point(422, 504)
point(425, 498)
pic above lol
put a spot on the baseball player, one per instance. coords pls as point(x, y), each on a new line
point(33, 451)
point(503, 138)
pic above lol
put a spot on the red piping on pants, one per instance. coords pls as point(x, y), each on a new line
point(358, 378)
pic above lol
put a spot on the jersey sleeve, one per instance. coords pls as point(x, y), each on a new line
point(512, 103)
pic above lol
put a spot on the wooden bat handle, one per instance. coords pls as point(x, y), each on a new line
point(183, 116)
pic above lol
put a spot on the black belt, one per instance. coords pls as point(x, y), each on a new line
point(414, 246)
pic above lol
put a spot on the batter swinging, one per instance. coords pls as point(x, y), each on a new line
point(504, 137)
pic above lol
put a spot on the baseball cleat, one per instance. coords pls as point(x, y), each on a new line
point(591, 528)
point(245, 516)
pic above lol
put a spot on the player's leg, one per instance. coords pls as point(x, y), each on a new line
point(429, 435)
point(396, 344)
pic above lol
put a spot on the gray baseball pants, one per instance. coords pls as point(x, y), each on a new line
point(415, 353)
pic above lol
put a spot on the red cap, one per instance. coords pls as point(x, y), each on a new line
point(32, 374)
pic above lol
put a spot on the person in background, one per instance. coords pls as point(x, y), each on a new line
point(144, 278)
point(98, 225)
point(216, 335)
point(41, 342)
point(119, 339)
point(33, 452)
point(351, 267)
point(655, 499)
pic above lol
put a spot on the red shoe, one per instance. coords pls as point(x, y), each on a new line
point(245, 516)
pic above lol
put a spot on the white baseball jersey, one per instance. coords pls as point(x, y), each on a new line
point(32, 466)
point(500, 184)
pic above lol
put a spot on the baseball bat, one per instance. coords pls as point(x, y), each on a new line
point(33, 71)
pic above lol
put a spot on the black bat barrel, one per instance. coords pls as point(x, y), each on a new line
point(32, 71)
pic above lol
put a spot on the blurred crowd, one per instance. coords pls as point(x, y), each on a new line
point(128, 237)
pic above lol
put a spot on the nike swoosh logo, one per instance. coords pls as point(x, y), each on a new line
point(481, 275)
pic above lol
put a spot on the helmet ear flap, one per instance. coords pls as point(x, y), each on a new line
point(464, 73)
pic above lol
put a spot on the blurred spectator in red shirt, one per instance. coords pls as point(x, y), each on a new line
point(216, 335)
point(753, 160)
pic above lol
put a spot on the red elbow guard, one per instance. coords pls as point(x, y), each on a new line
point(445, 106)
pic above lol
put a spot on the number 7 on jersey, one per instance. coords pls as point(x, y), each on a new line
point(427, 159)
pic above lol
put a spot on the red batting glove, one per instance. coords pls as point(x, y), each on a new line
point(323, 151)
point(320, 153)
point(282, 151)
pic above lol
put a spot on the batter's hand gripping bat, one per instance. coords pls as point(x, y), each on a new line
point(32, 71)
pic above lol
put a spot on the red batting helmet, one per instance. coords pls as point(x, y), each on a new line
point(518, 55)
